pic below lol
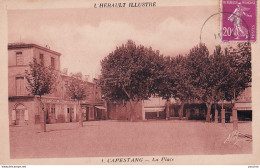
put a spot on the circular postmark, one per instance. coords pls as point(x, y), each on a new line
point(225, 32)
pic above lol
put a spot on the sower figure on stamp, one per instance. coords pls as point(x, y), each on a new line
point(236, 18)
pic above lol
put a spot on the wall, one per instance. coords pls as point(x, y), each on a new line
point(14, 72)
point(27, 55)
point(47, 57)
point(30, 106)
point(17, 70)
point(154, 102)
point(122, 112)
point(245, 96)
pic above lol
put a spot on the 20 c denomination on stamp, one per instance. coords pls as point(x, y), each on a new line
point(239, 20)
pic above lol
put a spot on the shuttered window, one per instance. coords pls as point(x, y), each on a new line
point(26, 117)
point(20, 86)
point(19, 58)
point(13, 115)
point(41, 59)
point(53, 111)
point(52, 62)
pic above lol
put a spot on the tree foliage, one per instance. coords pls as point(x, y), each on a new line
point(41, 80)
point(133, 73)
point(130, 73)
point(76, 88)
point(181, 76)
point(240, 76)
point(216, 76)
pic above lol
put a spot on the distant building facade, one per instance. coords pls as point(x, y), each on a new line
point(25, 109)
point(155, 108)
point(244, 105)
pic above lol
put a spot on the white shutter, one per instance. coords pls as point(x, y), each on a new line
point(75, 111)
point(13, 115)
point(26, 115)
point(18, 86)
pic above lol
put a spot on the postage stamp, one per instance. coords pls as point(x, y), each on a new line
point(239, 20)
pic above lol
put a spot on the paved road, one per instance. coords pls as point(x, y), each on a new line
point(119, 138)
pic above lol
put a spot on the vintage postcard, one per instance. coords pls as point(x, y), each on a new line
point(129, 82)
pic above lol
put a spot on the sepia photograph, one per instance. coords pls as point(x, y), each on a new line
point(131, 82)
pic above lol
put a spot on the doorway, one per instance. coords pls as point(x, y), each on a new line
point(20, 115)
point(70, 116)
point(87, 113)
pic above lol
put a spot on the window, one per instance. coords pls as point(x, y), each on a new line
point(52, 62)
point(53, 112)
point(19, 58)
point(53, 108)
point(20, 86)
point(41, 59)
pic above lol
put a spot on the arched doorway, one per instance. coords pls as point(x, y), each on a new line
point(21, 114)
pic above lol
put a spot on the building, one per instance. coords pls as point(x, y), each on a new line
point(25, 109)
point(155, 108)
point(244, 105)
point(94, 107)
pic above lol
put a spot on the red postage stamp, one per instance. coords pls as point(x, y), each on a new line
point(239, 20)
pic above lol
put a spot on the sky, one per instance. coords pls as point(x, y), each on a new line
point(85, 36)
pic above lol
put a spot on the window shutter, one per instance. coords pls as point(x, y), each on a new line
point(26, 115)
point(56, 114)
point(13, 115)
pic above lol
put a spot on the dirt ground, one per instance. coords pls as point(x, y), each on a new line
point(120, 138)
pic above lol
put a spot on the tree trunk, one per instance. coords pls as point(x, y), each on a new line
point(132, 111)
point(208, 111)
point(181, 110)
point(80, 115)
point(223, 116)
point(43, 112)
point(167, 109)
point(216, 116)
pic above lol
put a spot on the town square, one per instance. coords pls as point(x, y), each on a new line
point(114, 82)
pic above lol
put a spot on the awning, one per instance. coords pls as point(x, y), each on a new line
point(100, 107)
point(154, 109)
point(243, 106)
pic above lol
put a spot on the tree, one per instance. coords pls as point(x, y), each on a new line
point(241, 75)
point(41, 81)
point(128, 74)
point(77, 90)
point(183, 88)
point(215, 77)
point(175, 83)
point(163, 83)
